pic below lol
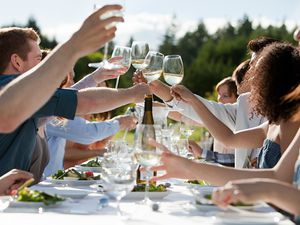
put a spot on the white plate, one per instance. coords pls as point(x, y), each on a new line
point(16, 203)
point(256, 218)
point(71, 182)
point(87, 168)
point(139, 195)
point(66, 192)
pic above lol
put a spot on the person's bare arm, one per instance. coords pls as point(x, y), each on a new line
point(178, 167)
point(46, 77)
point(249, 138)
point(74, 153)
point(255, 190)
point(157, 87)
point(95, 100)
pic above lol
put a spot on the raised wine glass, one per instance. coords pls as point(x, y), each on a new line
point(139, 50)
point(154, 65)
point(173, 71)
point(124, 62)
point(98, 4)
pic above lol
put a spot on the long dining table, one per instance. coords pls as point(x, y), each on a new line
point(177, 207)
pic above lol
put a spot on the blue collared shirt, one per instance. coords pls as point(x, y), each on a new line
point(16, 148)
point(78, 130)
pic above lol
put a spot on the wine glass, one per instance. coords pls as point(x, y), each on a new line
point(124, 63)
point(145, 154)
point(118, 13)
point(139, 50)
point(173, 70)
point(153, 70)
point(120, 177)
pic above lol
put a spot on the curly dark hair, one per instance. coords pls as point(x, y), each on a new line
point(276, 74)
point(256, 45)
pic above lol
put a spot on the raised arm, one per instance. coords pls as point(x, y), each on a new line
point(47, 76)
point(95, 100)
point(218, 129)
point(176, 166)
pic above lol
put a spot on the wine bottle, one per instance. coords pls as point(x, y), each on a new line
point(147, 132)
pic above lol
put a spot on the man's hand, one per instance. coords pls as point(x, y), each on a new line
point(12, 180)
point(126, 122)
point(95, 32)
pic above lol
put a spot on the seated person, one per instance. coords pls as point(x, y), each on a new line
point(25, 54)
point(18, 94)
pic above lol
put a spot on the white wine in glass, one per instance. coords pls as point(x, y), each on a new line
point(139, 50)
point(153, 70)
point(173, 70)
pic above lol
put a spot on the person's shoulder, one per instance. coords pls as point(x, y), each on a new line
point(243, 97)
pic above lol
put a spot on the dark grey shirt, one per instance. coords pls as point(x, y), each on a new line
point(16, 148)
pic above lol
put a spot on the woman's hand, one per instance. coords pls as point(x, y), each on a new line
point(195, 149)
point(174, 166)
point(181, 93)
point(13, 180)
point(246, 191)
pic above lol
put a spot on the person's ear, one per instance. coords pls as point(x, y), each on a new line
point(17, 62)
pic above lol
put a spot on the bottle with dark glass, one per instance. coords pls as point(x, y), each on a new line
point(147, 132)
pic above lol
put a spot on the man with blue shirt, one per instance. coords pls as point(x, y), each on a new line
point(92, 35)
point(19, 53)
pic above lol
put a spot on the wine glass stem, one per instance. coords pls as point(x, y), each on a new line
point(117, 82)
point(146, 199)
point(119, 208)
point(105, 51)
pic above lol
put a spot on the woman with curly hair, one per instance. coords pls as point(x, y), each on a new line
point(266, 189)
point(275, 73)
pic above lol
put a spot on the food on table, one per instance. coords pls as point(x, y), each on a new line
point(200, 182)
point(27, 195)
point(72, 173)
point(92, 163)
point(152, 188)
point(238, 204)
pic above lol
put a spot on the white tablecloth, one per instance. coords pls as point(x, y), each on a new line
point(176, 208)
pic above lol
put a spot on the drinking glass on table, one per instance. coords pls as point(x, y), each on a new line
point(120, 177)
point(139, 50)
point(145, 154)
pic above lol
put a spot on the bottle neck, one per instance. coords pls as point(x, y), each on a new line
point(148, 115)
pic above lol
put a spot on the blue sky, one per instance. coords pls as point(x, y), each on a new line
point(148, 19)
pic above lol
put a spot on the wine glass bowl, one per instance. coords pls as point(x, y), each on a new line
point(173, 70)
point(123, 64)
point(125, 61)
point(153, 70)
point(139, 51)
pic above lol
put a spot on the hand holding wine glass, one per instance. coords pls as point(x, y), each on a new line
point(173, 71)
point(109, 15)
